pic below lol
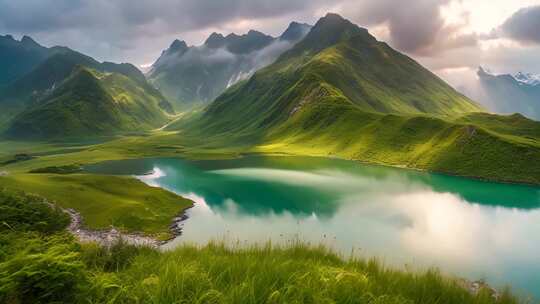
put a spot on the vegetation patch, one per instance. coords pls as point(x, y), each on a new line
point(105, 201)
point(68, 169)
point(17, 158)
point(24, 212)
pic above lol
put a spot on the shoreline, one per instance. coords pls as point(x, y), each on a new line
point(241, 155)
point(395, 166)
point(109, 237)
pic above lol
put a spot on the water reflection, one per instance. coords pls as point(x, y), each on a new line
point(470, 228)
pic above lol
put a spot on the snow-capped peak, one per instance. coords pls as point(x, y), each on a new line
point(528, 78)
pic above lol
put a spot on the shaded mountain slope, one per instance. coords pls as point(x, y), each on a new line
point(90, 103)
point(30, 89)
point(19, 57)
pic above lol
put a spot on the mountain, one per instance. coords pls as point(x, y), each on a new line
point(528, 78)
point(336, 63)
point(19, 57)
point(340, 92)
point(89, 103)
point(510, 94)
point(31, 88)
point(295, 32)
point(198, 74)
point(72, 94)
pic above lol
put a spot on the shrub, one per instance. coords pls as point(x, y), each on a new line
point(46, 270)
point(23, 212)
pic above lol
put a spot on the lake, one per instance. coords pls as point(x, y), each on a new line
point(469, 228)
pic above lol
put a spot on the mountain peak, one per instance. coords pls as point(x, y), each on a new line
point(328, 31)
point(215, 40)
point(337, 23)
point(255, 33)
point(295, 31)
point(482, 72)
point(527, 78)
point(7, 37)
point(178, 45)
point(247, 43)
point(28, 40)
point(333, 17)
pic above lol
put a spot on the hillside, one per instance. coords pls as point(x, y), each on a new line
point(91, 103)
point(198, 74)
point(340, 92)
point(30, 89)
point(337, 60)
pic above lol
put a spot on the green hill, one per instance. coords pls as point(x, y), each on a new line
point(57, 67)
point(30, 90)
point(91, 103)
point(340, 92)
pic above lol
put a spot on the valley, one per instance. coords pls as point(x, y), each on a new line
point(295, 156)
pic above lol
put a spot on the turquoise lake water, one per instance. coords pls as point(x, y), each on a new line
point(469, 228)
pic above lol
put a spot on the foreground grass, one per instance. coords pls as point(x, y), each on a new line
point(268, 274)
point(41, 263)
point(123, 202)
point(215, 274)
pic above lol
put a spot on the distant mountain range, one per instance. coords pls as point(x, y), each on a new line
point(329, 90)
point(66, 93)
point(528, 78)
point(508, 94)
point(198, 74)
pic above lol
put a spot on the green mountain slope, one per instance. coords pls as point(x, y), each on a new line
point(341, 60)
point(91, 103)
point(29, 90)
point(340, 92)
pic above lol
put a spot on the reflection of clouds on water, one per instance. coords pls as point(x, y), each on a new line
point(335, 180)
point(152, 178)
point(388, 218)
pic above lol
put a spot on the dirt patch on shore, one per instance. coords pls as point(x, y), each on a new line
point(113, 235)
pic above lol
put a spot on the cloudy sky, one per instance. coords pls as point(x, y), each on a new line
point(451, 37)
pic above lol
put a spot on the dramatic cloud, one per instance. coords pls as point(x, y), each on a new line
point(442, 33)
point(524, 25)
point(126, 30)
point(419, 29)
point(180, 15)
point(110, 28)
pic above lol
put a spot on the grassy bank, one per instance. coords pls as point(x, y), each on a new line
point(215, 274)
point(266, 274)
point(122, 202)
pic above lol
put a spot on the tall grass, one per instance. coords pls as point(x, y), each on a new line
point(40, 265)
point(266, 274)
